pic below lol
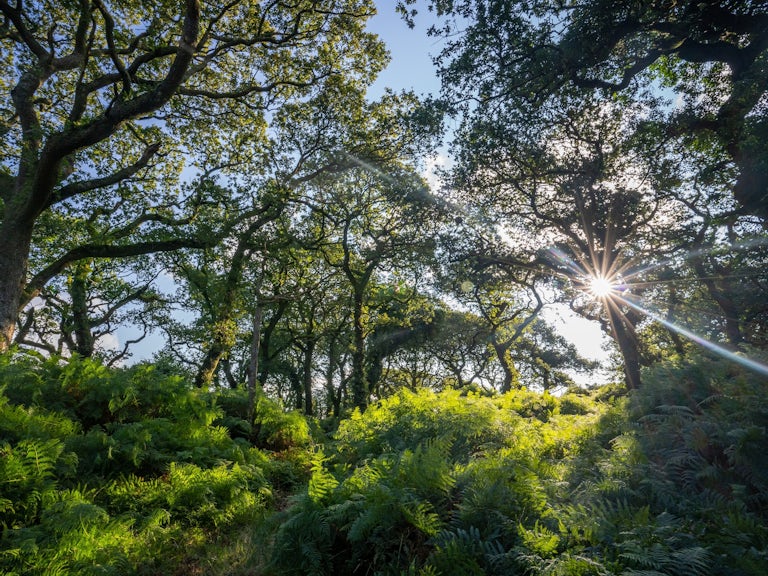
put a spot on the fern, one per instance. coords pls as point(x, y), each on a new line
point(321, 483)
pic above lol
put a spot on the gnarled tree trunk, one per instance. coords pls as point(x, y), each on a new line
point(15, 241)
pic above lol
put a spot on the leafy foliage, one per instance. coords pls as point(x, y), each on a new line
point(440, 483)
point(121, 471)
point(428, 481)
point(138, 472)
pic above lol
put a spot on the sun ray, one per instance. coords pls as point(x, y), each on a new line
point(754, 365)
point(608, 286)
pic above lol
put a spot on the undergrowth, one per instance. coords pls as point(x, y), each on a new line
point(133, 471)
point(671, 480)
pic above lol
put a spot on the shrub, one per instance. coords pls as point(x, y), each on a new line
point(126, 474)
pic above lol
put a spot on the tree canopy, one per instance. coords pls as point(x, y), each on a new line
point(217, 177)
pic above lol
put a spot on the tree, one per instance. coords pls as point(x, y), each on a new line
point(458, 348)
point(94, 92)
point(83, 312)
point(506, 304)
point(571, 202)
point(709, 55)
point(372, 221)
point(681, 80)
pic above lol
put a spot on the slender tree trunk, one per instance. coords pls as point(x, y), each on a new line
point(677, 342)
point(626, 339)
point(309, 352)
point(510, 372)
point(330, 370)
point(297, 389)
point(226, 364)
point(253, 364)
point(81, 326)
point(342, 393)
point(15, 241)
point(359, 384)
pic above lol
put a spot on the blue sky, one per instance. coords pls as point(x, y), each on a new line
point(411, 51)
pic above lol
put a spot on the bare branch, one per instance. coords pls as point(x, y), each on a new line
point(36, 283)
point(110, 29)
point(16, 18)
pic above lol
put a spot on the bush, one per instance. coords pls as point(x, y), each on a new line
point(117, 471)
point(429, 483)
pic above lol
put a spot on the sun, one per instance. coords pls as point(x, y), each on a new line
point(600, 286)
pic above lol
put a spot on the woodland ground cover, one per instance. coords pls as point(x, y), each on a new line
point(136, 471)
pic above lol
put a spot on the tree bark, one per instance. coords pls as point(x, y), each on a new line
point(14, 258)
point(216, 351)
point(359, 383)
point(510, 372)
point(330, 370)
point(81, 326)
point(626, 339)
point(309, 352)
point(253, 364)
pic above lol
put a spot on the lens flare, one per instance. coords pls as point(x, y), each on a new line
point(753, 365)
point(600, 287)
point(614, 288)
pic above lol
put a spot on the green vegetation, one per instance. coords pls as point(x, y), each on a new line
point(132, 471)
point(244, 329)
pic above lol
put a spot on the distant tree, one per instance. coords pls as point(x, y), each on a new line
point(371, 221)
point(83, 312)
point(574, 204)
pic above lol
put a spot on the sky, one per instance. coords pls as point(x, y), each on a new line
point(411, 51)
point(411, 68)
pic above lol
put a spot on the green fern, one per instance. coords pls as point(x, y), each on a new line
point(322, 482)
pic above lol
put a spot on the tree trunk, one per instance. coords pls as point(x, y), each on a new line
point(220, 346)
point(731, 312)
point(309, 352)
point(626, 338)
point(226, 364)
point(81, 326)
point(359, 384)
point(15, 241)
point(510, 372)
point(253, 365)
point(720, 294)
point(330, 390)
point(677, 342)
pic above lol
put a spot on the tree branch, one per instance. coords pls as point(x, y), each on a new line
point(36, 283)
point(80, 187)
point(110, 29)
point(72, 139)
point(16, 17)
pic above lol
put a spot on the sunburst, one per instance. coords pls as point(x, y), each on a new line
point(601, 287)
